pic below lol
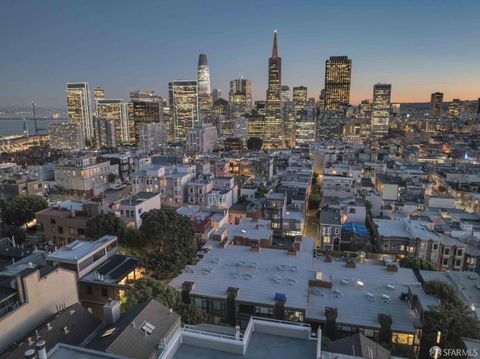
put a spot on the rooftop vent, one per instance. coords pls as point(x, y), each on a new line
point(147, 327)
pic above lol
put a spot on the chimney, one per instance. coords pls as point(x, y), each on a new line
point(29, 354)
point(41, 349)
point(351, 263)
point(279, 311)
point(49, 326)
point(232, 294)
point(187, 287)
point(65, 330)
point(331, 322)
point(385, 333)
point(255, 247)
point(111, 312)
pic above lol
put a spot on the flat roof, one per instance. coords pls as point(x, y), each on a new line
point(360, 304)
point(258, 275)
point(79, 249)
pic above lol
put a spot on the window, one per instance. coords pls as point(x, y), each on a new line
point(337, 230)
point(435, 247)
point(459, 252)
point(446, 251)
point(457, 262)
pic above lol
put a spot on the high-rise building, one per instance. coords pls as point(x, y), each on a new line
point(338, 76)
point(216, 94)
point(299, 98)
point(116, 110)
point(285, 93)
point(183, 100)
point(260, 106)
point(436, 103)
point(202, 138)
point(144, 107)
point(455, 108)
point(381, 109)
point(203, 78)
point(78, 107)
point(255, 124)
point(98, 93)
point(273, 134)
point(152, 136)
point(104, 132)
point(240, 96)
point(305, 127)
point(66, 136)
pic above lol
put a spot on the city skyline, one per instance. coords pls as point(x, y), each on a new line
point(405, 50)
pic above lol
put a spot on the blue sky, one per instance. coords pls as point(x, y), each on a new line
point(418, 46)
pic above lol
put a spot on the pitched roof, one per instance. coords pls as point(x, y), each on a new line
point(128, 336)
point(360, 346)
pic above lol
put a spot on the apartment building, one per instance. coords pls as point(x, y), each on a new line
point(131, 208)
point(84, 176)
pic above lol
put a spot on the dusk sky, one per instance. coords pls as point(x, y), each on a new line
point(417, 46)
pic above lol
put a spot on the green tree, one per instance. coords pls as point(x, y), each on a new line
point(414, 262)
point(451, 318)
point(261, 191)
point(103, 224)
point(21, 209)
point(314, 200)
point(148, 288)
point(254, 143)
point(169, 241)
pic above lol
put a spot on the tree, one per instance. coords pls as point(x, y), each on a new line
point(148, 288)
point(414, 262)
point(314, 200)
point(105, 224)
point(451, 318)
point(170, 241)
point(21, 209)
point(261, 191)
point(254, 143)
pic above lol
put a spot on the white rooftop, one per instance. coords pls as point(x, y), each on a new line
point(78, 249)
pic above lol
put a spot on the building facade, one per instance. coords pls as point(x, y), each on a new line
point(183, 98)
point(381, 109)
point(338, 76)
point(79, 107)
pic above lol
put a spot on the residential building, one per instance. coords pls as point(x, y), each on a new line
point(66, 136)
point(330, 229)
point(202, 138)
point(79, 107)
point(83, 175)
point(105, 132)
point(32, 293)
point(66, 222)
point(132, 207)
point(274, 210)
point(115, 110)
point(152, 136)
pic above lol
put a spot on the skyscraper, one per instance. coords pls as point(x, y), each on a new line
point(436, 103)
point(203, 78)
point(338, 76)
point(144, 107)
point(299, 98)
point(273, 135)
point(98, 93)
point(115, 110)
point(183, 100)
point(78, 107)
point(381, 109)
point(240, 96)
